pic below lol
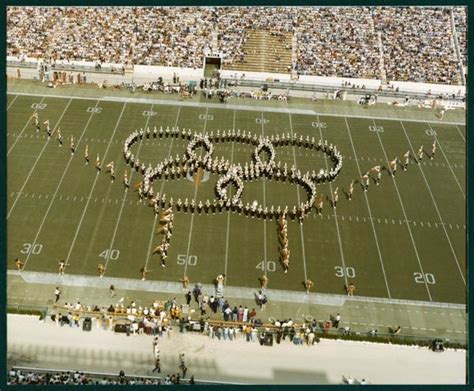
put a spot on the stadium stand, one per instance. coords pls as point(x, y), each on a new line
point(401, 43)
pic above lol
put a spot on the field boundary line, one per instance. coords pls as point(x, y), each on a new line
point(192, 215)
point(53, 198)
point(124, 198)
point(11, 103)
point(37, 160)
point(370, 212)
point(335, 214)
point(229, 106)
point(226, 258)
point(436, 207)
point(406, 218)
point(447, 161)
point(26, 125)
point(161, 193)
point(231, 291)
point(299, 203)
point(92, 189)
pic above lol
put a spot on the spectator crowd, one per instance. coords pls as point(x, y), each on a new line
point(405, 43)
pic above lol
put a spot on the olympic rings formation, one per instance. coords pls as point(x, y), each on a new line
point(235, 174)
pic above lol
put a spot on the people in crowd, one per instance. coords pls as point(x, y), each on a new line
point(399, 43)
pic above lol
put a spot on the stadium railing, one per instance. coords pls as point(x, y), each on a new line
point(282, 85)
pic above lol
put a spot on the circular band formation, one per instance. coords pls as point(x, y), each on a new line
point(235, 174)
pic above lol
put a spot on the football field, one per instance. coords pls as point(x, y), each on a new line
point(404, 239)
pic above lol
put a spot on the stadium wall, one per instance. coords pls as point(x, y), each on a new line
point(148, 73)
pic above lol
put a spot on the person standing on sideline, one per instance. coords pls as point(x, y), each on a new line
point(379, 174)
point(309, 284)
point(112, 291)
point(337, 320)
point(419, 155)
point(62, 267)
point(351, 190)
point(101, 270)
point(263, 281)
point(86, 155)
point(433, 150)
point(351, 289)
point(144, 272)
point(57, 293)
point(19, 264)
point(406, 158)
point(185, 281)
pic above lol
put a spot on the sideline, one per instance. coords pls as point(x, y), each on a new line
point(229, 291)
point(229, 107)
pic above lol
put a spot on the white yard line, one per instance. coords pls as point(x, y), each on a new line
point(228, 213)
point(92, 188)
point(53, 197)
point(14, 99)
point(447, 161)
point(335, 214)
point(303, 251)
point(37, 160)
point(229, 106)
point(460, 133)
point(264, 220)
point(26, 125)
point(437, 209)
point(405, 216)
point(193, 214)
point(117, 223)
point(370, 213)
point(161, 193)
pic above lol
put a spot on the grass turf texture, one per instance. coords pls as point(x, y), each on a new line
point(381, 256)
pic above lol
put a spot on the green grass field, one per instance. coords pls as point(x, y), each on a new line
point(405, 239)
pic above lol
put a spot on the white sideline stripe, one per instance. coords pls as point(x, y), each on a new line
point(228, 213)
point(192, 217)
point(108, 254)
point(447, 161)
point(460, 133)
point(14, 99)
point(436, 207)
point(229, 106)
point(92, 189)
point(264, 220)
point(26, 125)
point(57, 189)
point(335, 213)
point(370, 214)
point(37, 160)
point(231, 291)
point(303, 250)
point(161, 193)
point(406, 218)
